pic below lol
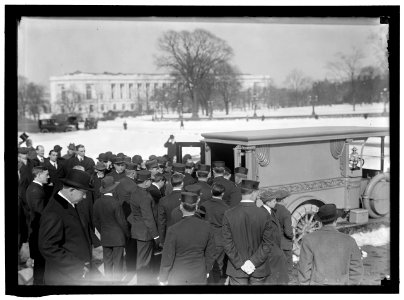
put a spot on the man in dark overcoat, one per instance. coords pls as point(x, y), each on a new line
point(215, 208)
point(80, 159)
point(118, 171)
point(188, 252)
point(54, 167)
point(327, 256)
point(247, 239)
point(202, 175)
point(176, 213)
point(62, 241)
point(189, 169)
point(171, 147)
point(37, 199)
point(168, 203)
point(110, 221)
point(231, 196)
point(144, 227)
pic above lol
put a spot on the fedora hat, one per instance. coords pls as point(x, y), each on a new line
point(241, 171)
point(71, 146)
point(249, 184)
point(100, 166)
point(77, 179)
point(127, 159)
point(193, 188)
point(108, 184)
point(328, 213)
point(102, 157)
point(150, 164)
point(143, 175)
point(57, 148)
point(24, 136)
point(137, 159)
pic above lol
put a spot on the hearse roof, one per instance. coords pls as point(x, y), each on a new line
point(294, 135)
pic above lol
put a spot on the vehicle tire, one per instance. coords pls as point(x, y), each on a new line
point(303, 222)
point(44, 130)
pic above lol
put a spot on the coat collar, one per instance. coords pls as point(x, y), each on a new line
point(65, 205)
point(328, 228)
point(249, 203)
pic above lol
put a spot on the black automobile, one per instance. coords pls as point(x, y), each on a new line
point(51, 125)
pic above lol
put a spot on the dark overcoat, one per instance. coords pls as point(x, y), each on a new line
point(110, 221)
point(215, 209)
point(87, 163)
point(206, 191)
point(188, 179)
point(63, 243)
point(285, 222)
point(166, 205)
point(187, 257)
point(247, 236)
point(329, 257)
point(232, 195)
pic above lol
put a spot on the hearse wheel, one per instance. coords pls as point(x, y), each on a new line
point(44, 130)
point(303, 222)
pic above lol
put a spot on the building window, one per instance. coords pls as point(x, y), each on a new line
point(156, 85)
point(132, 106)
point(139, 86)
point(114, 107)
point(113, 91)
point(62, 91)
point(130, 90)
point(102, 107)
point(123, 106)
point(147, 86)
point(121, 90)
point(89, 91)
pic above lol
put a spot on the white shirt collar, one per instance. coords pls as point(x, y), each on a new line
point(247, 200)
point(267, 208)
point(37, 182)
point(108, 194)
point(40, 158)
point(155, 184)
point(177, 189)
point(64, 197)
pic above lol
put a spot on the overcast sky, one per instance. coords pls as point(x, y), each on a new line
point(53, 47)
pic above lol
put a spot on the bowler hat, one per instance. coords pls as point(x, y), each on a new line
point(193, 188)
point(218, 164)
point(328, 213)
point(102, 157)
point(100, 166)
point(204, 168)
point(177, 167)
point(137, 159)
point(57, 148)
point(77, 179)
point(249, 184)
point(24, 136)
point(71, 146)
point(108, 184)
point(150, 164)
point(241, 171)
point(189, 198)
point(108, 155)
point(143, 175)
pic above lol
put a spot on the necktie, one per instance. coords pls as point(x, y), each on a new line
point(55, 165)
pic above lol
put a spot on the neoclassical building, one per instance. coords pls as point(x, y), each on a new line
point(103, 92)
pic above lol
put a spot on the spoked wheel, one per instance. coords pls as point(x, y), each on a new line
point(303, 222)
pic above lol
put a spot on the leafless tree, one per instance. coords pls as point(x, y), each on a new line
point(70, 100)
point(31, 98)
point(227, 83)
point(297, 82)
point(192, 57)
point(347, 67)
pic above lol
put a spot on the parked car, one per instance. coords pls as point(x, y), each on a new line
point(344, 165)
point(51, 125)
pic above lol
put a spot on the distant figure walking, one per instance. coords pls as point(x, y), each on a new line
point(182, 124)
point(125, 125)
point(171, 147)
point(262, 118)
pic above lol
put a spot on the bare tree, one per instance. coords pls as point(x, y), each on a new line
point(378, 44)
point(192, 56)
point(227, 83)
point(297, 82)
point(35, 95)
point(22, 95)
point(347, 67)
point(70, 100)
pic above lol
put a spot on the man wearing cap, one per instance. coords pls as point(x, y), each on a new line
point(176, 213)
point(189, 169)
point(285, 221)
point(71, 151)
point(231, 196)
point(276, 260)
point(168, 203)
point(203, 174)
point(118, 172)
point(37, 200)
point(240, 173)
point(247, 241)
point(153, 167)
point(144, 228)
point(110, 221)
point(171, 147)
point(189, 248)
point(62, 241)
point(215, 208)
point(327, 256)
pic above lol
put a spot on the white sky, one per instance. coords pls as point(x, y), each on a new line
point(51, 47)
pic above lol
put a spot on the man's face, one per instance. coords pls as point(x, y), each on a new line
point(40, 151)
point(81, 151)
point(53, 156)
point(271, 203)
point(147, 183)
point(76, 195)
point(22, 158)
point(43, 177)
point(28, 143)
point(154, 171)
point(119, 168)
point(70, 151)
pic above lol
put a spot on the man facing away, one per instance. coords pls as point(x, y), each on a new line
point(327, 256)
point(247, 239)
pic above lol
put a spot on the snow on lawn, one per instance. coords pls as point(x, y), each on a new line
point(378, 237)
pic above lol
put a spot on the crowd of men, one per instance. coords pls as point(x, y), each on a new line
point(165, 222)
